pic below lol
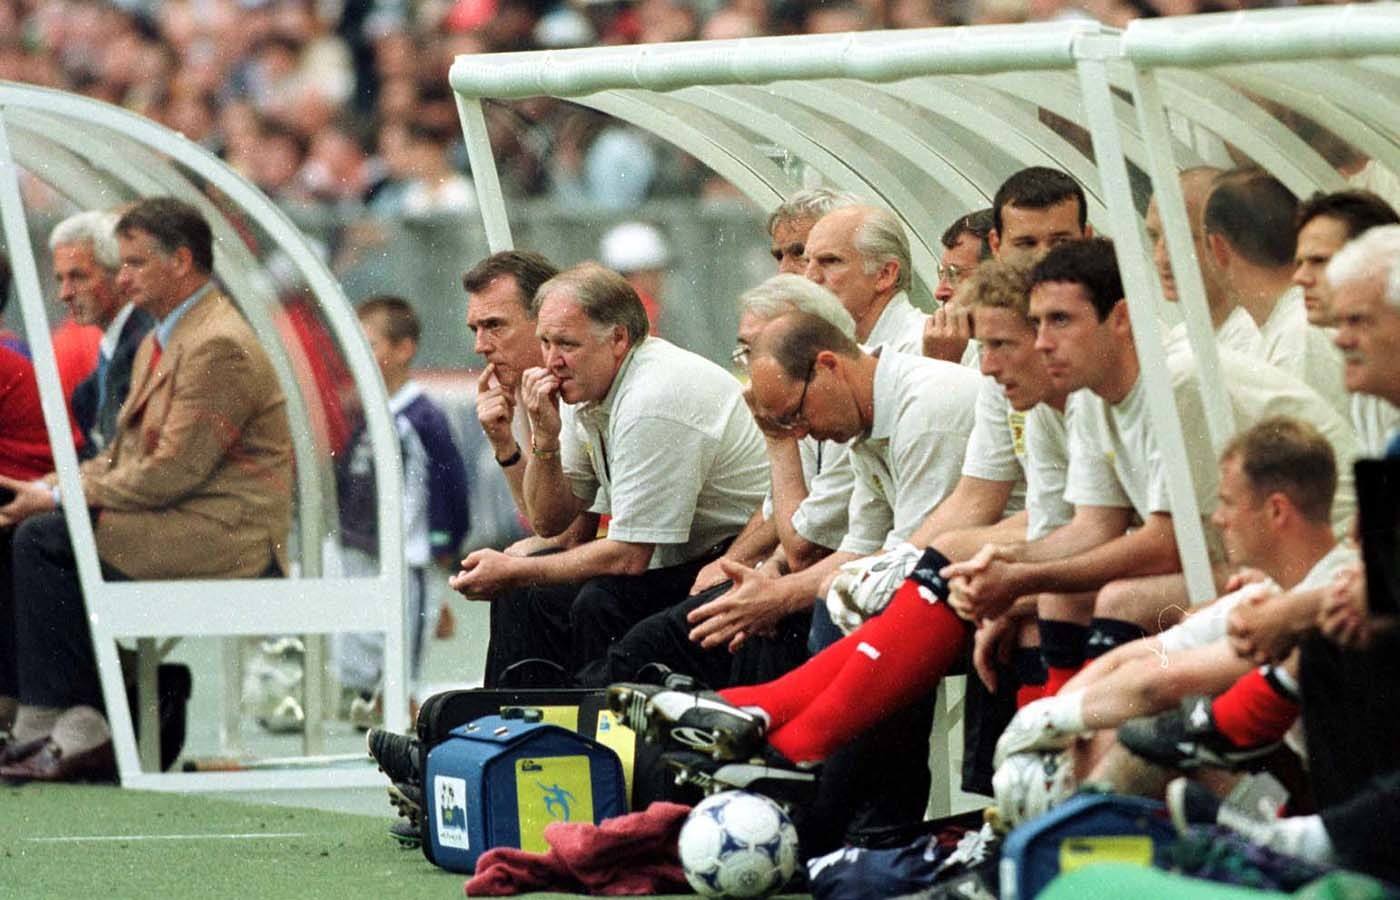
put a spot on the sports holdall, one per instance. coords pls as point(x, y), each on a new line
point(583, 710)
point(1085, 829)
point(498, 781)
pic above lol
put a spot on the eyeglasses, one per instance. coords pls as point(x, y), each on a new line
point(951, 274)
point(795, 418)
point(739, 356)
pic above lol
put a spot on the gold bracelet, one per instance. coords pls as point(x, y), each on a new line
point(544, 455)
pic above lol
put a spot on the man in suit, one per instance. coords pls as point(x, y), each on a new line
point(85, 265)
point(196, 483)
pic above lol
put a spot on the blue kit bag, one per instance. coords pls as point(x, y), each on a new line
point(498, 781)
point(1085, 829)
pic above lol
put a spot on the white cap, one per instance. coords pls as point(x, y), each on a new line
point(633, 247)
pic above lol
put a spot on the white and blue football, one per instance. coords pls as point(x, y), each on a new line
point(738, 844)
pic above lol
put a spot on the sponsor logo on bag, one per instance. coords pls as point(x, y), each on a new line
point(451, 819)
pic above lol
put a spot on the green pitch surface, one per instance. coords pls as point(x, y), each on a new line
point(102, 842)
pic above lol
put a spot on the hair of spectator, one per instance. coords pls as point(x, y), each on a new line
point(1358, 211)
point(879, 239)
point(1038, 187)
point(1290, 457)
point(794, 340)
point(1375, 254)
point(97, 229)
point(528, 268)
point(396, 316)
point(1089, 263)
point(174, 224)
point(812, 204)
point(999, 285)
point(978, 224)
point(783, 294)
point(1254, 211)
point(604, 296)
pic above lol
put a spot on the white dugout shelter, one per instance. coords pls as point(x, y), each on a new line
point(927, 122)
point(59, 154)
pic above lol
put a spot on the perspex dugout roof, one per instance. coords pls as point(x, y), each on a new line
point(929, 122)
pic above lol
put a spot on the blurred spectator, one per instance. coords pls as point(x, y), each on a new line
point(638, 252)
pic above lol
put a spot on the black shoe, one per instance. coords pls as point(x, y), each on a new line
point(687, 719)
point(396, 754)
point(408, 800)
point(779, 780)
point(408, 836)
point(1187, 739)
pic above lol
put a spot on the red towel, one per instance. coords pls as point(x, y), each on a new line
point(625, 856)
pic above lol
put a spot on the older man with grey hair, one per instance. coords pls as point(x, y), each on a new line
point(624, 425)
point(861, 254)
point(85, 264)
point(789, 224)
point(1365, 280)
point(803, 520)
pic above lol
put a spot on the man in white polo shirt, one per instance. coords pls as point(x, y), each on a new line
point(1276, 485)
point(623, 425)
point(1249, 235)
point(1232, 323)
point(1116, 469)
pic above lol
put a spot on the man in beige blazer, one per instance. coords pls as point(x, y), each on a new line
point(197, 483)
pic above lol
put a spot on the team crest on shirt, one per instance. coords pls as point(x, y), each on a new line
point(1016, 421)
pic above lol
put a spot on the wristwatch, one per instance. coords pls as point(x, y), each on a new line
point(510, 460)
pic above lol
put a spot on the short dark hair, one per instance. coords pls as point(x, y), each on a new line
point(793, 341)
point(1254, 211)
point(978, 224)
point(1038, 187)
point(1358, 211)
point(400, 321)
point(1089, 263)
point(174, 224)
point(1288, 456)
point(528, 268)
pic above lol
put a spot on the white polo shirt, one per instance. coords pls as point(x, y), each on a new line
point(907, 464)
point(822, 516)
point(1238, 332)
point(1114, 455)
point(671, 453)
point(900, 327)
point(997, 445)
point(1208, 625)
point(1374, 418)
point(1304, 351)
point(1047, 466)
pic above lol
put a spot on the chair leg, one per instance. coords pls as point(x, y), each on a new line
point(148, 704)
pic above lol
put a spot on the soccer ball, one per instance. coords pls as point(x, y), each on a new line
point(738, 844)
point(1030, 783)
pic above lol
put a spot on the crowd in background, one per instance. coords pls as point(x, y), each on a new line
point(344, 105)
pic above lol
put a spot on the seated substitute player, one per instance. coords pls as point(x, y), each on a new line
point(1116, 468)
point(1277, 480)
point(626, 425)
point(948, 331)
point(1325, 223)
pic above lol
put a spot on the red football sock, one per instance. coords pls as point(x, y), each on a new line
point(896, 657)
point(1253, 712)
point(1057, 677)
point(785, 697)
point(1029, 693)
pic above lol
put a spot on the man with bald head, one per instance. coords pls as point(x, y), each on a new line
point(790, 223)
point(861, 254)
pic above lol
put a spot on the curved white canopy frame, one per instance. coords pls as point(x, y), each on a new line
point(1206, 71)
point(98, 156)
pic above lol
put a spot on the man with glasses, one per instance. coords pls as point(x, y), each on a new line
point(948, 332)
